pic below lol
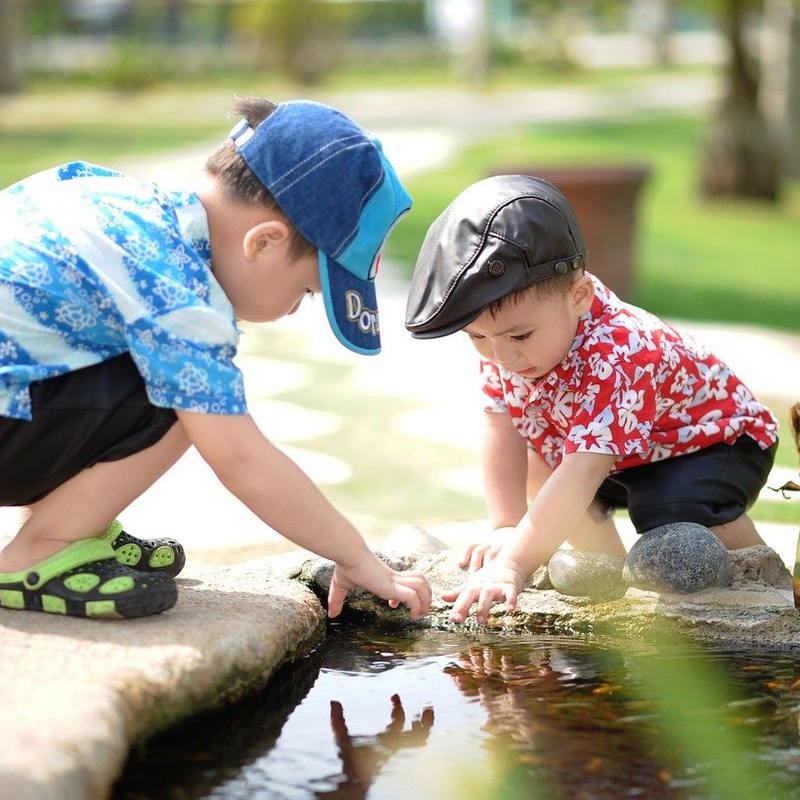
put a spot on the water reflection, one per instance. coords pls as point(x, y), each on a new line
point(382, 714)
point(363, 756)
point(555, 721)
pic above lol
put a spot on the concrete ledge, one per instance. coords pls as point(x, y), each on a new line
point(77, 693)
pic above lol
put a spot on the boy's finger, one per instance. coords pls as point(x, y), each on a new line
point(416, 604)
point(511, 597)
point(336, 596)
point(452, 594)
point(478, 557)
point(422, 589)
point(466, 556)
point(484, 602)
point(463, 604)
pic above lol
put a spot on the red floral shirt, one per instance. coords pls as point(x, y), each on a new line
point(630, 386)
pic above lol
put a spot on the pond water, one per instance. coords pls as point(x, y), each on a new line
point(478, 715)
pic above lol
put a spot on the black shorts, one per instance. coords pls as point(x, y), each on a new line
point(99, 413)
point(711, 487)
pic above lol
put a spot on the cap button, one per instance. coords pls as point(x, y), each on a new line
point(561, 268)
point(578, 262)
point(496, 268)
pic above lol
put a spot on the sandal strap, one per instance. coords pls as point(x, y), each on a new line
point(111, 532)
point(71, 557)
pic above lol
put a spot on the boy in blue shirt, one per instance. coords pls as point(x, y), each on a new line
point(119, 303)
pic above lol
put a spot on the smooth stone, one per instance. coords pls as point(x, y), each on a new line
point(580, 573)
point(411, 541)
point(680, 558)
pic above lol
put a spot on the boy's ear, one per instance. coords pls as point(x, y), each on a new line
point(264, 235)
point(582, 291)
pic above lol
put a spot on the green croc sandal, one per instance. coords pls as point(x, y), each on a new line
point(85, 580)
point(147, 555)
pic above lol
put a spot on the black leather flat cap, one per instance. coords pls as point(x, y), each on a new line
point(500, 235)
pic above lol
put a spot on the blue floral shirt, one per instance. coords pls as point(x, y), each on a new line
point(94, 264)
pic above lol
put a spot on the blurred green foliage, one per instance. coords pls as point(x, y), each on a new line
point(727, 260)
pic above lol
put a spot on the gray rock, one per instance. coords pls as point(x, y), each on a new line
point(747, 614)
point(408, 542)
point(317, 573)
point(681, 558)
point(580, 573)
point(759, 565)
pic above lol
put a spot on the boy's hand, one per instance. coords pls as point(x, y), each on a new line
point(408, 587)
point(502, 579)
point(479, 554)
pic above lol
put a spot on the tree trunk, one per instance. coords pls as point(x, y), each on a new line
point(741, 154)
point(12, 39)
point(780, 89)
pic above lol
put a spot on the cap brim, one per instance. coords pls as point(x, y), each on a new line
point(352, 307)
point(437, 332)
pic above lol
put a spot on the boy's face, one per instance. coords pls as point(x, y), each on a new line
point(274, 285)
point(300, 280)
point(531, 336)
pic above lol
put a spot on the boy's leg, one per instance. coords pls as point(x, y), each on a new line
point(596, 531)
point(713, 487)
point(83, 506)
point(96, 415)
point(741, 532)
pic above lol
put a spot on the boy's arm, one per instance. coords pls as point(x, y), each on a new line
point(552, 516)
point(271, 485)
point(504, 467)
point(504, 463)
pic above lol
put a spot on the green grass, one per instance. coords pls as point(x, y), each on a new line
point(37, 150)
point(731, 260)
point(723, 260)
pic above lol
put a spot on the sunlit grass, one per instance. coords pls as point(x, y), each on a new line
point(722, 260)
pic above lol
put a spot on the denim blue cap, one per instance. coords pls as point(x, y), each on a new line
point(332, 180)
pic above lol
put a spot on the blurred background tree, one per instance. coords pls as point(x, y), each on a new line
point(301, 37)
point(742, 154)
point(13, 33)
point(752, 142)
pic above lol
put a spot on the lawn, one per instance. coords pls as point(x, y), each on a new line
point(724, 260)
point(731, 260)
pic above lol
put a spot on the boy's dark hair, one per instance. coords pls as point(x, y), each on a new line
point(552, 287)
point(237, 179)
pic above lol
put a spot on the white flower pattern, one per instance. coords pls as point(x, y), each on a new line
point(97, 263)
point(631, 386)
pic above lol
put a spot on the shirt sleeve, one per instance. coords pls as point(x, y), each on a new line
point(492, 385)
point(186, 373)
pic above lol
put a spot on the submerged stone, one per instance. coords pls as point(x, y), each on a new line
point(680, 558)
point(580, 573)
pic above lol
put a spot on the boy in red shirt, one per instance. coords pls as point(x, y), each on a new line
point(592, 403)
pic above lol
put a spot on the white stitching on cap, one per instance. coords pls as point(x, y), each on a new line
point(367, 195)
point(314, 155)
